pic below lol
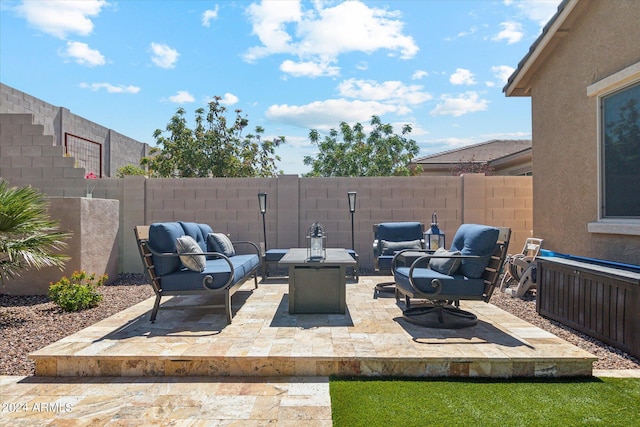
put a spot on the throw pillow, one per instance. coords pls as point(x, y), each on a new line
point(220, 242)
point(186, 244)
point(446, 266)
point(389, 248)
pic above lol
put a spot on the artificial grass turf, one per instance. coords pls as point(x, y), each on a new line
point(485, 402)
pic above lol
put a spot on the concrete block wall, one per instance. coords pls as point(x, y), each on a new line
point(17, 102)
point(93, 246)
point(123, 151)
point(230, 205)
point(294, 203)
point(117, 149)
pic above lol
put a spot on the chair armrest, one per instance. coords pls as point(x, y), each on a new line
point(251, 244)
point(437, 286)
point(376, 248)
point(395, 256)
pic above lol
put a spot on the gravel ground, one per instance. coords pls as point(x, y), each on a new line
point(28, 323)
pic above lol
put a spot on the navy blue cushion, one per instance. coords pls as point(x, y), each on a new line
point(199, 233)
point(477, 240)
point(162, 238)
point(385, 262)
point(185, 279)
point(455, 285)
point(399, 231)
point(273, 255)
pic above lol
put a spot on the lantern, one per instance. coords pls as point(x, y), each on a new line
point(434, 239)
point(315, 242)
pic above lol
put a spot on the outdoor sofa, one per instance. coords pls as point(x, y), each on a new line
point(187, 258)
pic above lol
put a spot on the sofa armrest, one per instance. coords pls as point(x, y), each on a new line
point(252, 245)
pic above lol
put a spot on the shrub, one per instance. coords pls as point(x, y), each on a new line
point(78, 292)
point(130, 170)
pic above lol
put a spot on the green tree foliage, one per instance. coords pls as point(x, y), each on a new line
point(130, 170)
point(350, 152)
point(215, 148)
point(28, 237)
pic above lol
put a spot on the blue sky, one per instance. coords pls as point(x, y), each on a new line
point(290, 66)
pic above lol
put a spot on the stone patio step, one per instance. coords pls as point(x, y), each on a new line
point(371, 339)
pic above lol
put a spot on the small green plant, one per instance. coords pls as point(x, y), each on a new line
point(78, 292)
point(130, 170)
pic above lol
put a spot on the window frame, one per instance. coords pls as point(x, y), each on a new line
point(627, 77)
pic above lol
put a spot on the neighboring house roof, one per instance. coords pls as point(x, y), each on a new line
point(557, 27)
point(484, 152)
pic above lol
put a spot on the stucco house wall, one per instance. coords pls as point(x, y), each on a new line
point(598, 39)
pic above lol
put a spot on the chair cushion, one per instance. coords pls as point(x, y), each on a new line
point(389, 248)
point(192, 262)
point(162, 238)
point(455, 285)
point(219, 242)
point(199, 232)
point(399, 231)
point(446, 266)
point(218, 269)
point(273, 255)
point(477, 240)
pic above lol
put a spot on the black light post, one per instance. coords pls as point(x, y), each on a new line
point(262, 202)
point(352, 208)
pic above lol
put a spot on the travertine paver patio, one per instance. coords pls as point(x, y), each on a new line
point(189, 342)
point(177, 401)
point(265, 340)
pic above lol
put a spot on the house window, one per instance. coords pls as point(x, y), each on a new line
point(620, 136)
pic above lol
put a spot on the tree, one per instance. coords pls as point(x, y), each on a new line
point(28, 237)
point(213, 148)
point(351, 152)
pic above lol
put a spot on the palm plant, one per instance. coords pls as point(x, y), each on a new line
point(28, 237)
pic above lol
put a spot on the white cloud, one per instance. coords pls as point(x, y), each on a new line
point(394, 92)
point(308, 69)
point(61, 17)
point(163, 55)
point(322, 34)
point(511, 32)
point(462, 34)
point(539, 11)
point(182, 97)
point(110, 88)
point(209, 15)
point(324, 115)
point(83, 54)
point(229, 99)
point(419, 74)
point(462, 77)
point(502, 72)
point(468, 102)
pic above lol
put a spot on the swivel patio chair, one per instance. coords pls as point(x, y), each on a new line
point(389, 238)
point(468, 271)
point(520, 269)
